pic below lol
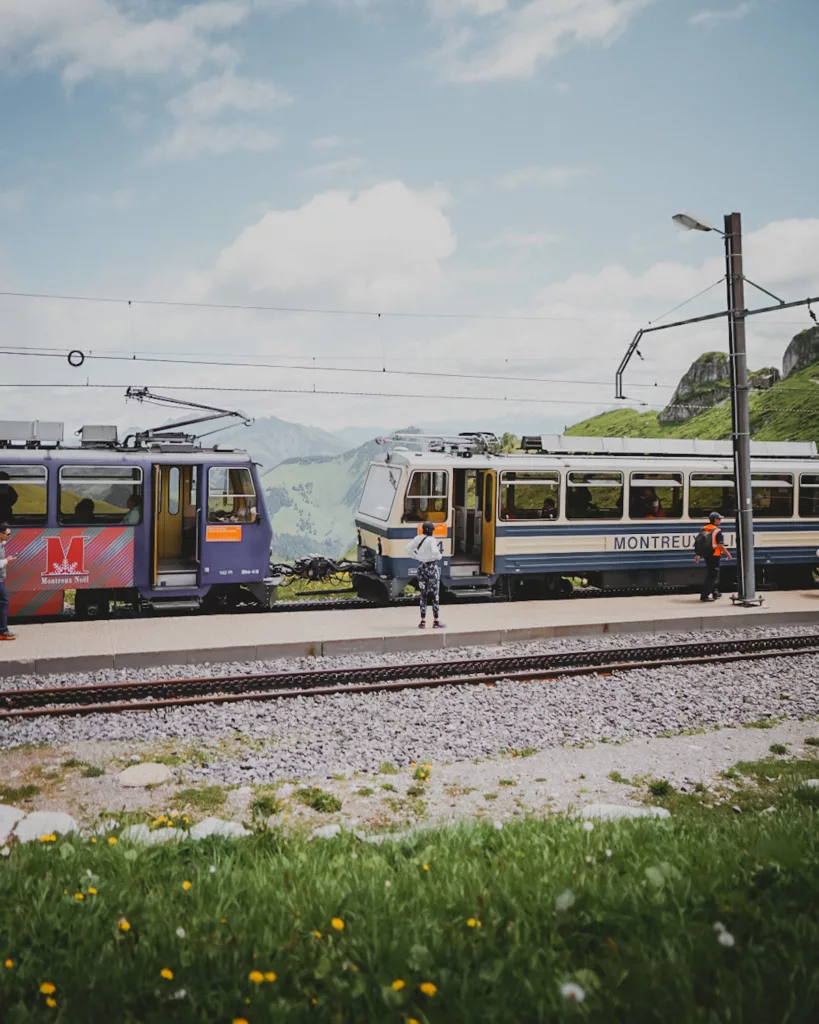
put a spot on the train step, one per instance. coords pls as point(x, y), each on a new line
point(174, 604)
point(472, 592)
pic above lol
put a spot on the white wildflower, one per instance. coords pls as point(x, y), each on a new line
point(724, 937)
point(588, 826)
point(180, 933)
point(572, 991)
point(5, 851)
point(388, 883)
point(498, 826)
point(180, 993)
point(212, 869)
point(565, 901)
point(608, 853)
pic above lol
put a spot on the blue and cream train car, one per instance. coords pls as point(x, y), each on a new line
point(618, 512)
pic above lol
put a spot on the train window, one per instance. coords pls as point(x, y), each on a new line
point(427, 497)
point(23, 495)
point(594, 496)
point(809, 496)
point(655, 496)
point(772, 495)
point(379, 492)
point(530, 496)
point(173, 491)
point(231, 495)
point(100, 495)
point(711, 492)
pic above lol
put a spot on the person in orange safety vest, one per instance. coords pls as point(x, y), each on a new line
point(710, 547)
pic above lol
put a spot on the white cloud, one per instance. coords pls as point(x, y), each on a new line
point(719, 17)
point(456, 8)
point(522, 240)
point(514, 41)
point(336, 167)
point(190, 139)
point(381, 245)
point(83, 38)
point(333, 142)
point(553, 177)
point(214, 96)
point(12, 200)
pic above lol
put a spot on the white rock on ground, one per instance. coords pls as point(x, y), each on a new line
point(43, 823)
point(145, 837)
point(614, 812)
point(9, 816)
point(218, 827)
point(326, 832)
point(146, 774)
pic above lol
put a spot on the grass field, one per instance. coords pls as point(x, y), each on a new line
point(702, 917)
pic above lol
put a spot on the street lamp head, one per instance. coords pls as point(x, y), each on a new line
point(691, 223)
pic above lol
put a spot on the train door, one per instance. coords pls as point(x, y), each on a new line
point(176, 526)
point(464, 519)
point(488, 492)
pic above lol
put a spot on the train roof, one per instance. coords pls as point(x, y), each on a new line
point(24, 441)
point(537, 451)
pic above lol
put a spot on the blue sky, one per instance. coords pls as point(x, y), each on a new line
point(512, 157)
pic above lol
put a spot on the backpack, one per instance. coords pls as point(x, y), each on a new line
point(704, 543)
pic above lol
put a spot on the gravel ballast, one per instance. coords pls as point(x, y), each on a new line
point(315, 737)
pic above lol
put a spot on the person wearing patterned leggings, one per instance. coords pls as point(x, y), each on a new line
point(428, 553)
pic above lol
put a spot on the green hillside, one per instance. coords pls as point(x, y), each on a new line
point(789, 411)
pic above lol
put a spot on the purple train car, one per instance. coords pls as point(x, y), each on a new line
point(156, 522)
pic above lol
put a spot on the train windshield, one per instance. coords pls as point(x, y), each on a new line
point(379, 492)
point(231, 495)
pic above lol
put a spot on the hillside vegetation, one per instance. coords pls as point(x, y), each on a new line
point(789, 411)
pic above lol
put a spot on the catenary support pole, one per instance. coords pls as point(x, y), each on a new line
point(741, 419)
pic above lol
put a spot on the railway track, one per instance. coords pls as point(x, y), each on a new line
point(149, 695)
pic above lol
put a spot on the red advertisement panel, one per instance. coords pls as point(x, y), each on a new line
point(49, 562)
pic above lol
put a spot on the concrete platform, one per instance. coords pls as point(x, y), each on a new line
point(133, 643)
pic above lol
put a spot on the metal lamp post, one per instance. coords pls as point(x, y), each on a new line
point(740, 393)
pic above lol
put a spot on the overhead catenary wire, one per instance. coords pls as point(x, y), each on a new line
point(320, 311)
point(509, 400)
point(223, 363)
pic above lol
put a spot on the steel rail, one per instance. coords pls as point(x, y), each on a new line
point(145, 695)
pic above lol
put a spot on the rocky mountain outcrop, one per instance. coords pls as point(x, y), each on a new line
point(803, 351)
point(707, 384)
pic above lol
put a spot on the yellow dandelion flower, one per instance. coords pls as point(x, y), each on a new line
point(166, 973)
point(9, 963)
point(398, 984)
point(124, 924)
point(270, 976)
point(314, 1001)
point(48, 989)
point(79, 896)
point(170, 823)
point(112, 840)
point(222, 920)
point(94, 839)
point(317, 934)
point(412, 1020)
point(426, 867)
point(161, 819)
point(51, 1003)
point(256, 977)
point(92, 891)
point(429, 989)
point(45, 839)
point(471, 922)
point(239, 1020)
point(338, 924)
point(186, 885)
